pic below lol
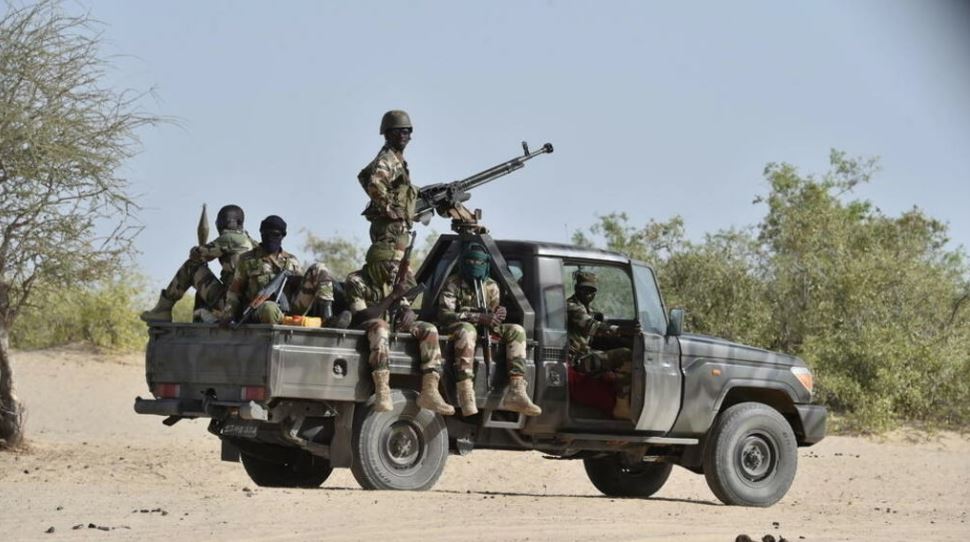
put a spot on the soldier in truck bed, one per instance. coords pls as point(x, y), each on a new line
point(232, 242)
point(604, 376)
point(387, 182)
point(366, 291)
point(258, 267)
point(470, 298)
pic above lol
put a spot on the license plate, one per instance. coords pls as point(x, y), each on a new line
point(239, 429)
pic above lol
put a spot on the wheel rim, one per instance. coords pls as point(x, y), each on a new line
point(403, 445)
point(757, 457)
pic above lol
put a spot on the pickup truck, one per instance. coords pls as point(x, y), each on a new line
point(293, 403)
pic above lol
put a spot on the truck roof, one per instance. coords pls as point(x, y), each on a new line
point(559, 250)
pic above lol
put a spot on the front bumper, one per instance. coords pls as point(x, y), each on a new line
point(812, 418)
point(205, 408)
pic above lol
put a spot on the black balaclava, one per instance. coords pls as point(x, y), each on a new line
point(272, 230)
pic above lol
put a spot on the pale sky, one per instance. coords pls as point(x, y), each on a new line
point(655, 109)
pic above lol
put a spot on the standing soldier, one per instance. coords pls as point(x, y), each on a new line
point(232, 242)
point(388, 184)
point(371, 295)
point(471, 298)
point(613, 366)
point(258, 267)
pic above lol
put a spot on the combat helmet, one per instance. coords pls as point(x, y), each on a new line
point(395, 118)
point(585, 278)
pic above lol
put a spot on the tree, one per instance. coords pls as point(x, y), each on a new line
point(65, 215)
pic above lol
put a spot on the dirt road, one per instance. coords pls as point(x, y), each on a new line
point(114, 475)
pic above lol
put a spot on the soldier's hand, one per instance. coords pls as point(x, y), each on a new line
point(406, 319)
point(399, 289)
point(613, 330)
point(394, 212)
point(598, 316)
point(499, 315)
point(195, 253)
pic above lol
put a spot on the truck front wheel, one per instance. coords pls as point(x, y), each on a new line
point(405, 448)
point(751, 456)
point(292, 468)
point(616, 477)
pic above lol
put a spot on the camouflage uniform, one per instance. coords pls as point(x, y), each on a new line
point(369, 287)
point(257, 268)
point(387, 182)
point(581, 328)
point(457, 306)
point(195, 273)
point(361, 293)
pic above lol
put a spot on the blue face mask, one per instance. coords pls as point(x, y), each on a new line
point(474, 266)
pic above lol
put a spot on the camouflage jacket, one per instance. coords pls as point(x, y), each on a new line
point(227, 248)
point(581, 327)
point(255, 270)
point(361, 292)
point(459, 302)
point(388, 183)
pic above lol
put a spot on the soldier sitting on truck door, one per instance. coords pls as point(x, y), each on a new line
point(232, 242)
point(369, 293)
point(260, 266)
point(470, 298)
point(598, 378)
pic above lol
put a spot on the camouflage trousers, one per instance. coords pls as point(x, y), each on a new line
point(379, 333)
point(196, 274)
point(316, 285)
point(463, 337)
point(618, 361)
point(394, 232)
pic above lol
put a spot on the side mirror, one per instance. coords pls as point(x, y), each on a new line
point(675, 325)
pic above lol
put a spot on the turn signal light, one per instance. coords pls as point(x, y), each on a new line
point(167, 391)
point(804, 375)
point(253, 393)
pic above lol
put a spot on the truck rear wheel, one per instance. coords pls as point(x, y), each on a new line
point(292, 468)
point(405, 448)
point(616, 477)
point(751, 456)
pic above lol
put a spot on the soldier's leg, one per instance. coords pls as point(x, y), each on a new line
point(162, 311)
point(316, 287)
point(621, 362)
point(463, 338)
point(269, 312)
point(211, 290)
point(516, 398)
point(430, 398)
point(378, 333)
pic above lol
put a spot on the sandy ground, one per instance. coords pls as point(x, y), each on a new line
point(96, 470)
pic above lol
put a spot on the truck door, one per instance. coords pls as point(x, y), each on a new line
point(657, 379)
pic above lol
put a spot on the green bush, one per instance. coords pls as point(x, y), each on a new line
point(104, 314)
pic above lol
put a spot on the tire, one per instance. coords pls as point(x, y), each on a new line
point(294, 468)
point(614, 477)
point(751, 456)
point(403, 449)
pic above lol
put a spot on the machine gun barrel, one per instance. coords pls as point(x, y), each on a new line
point(442, 196)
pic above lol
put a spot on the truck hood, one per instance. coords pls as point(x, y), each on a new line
point(696, 347)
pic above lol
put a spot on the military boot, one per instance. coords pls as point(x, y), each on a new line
point(430, 398)
point(466, 397)
point(516, 399)
point(162, 311)
point(382, 390)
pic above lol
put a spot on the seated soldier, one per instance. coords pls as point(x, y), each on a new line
point(598, 379)
point(371, 296)
point(258, 267)
point(232, 242)
point(470, 298)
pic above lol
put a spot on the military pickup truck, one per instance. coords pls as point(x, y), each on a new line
point(293, 403)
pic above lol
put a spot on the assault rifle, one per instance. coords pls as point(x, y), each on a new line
point(482, 303)
point(447, 198)
point(272, 291)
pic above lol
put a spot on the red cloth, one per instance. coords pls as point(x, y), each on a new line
point(591, 391)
